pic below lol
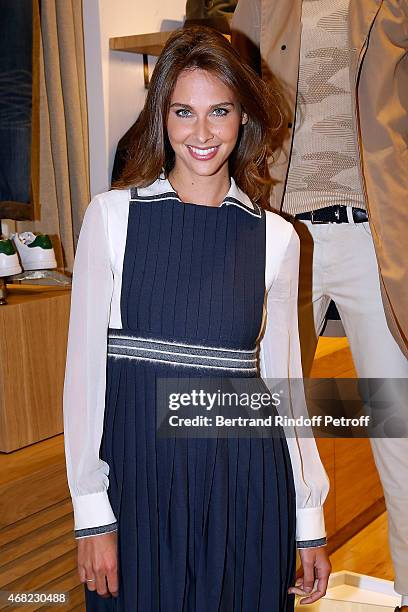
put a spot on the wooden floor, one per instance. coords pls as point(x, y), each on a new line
point(37, 545)
point(367, 552)
point(38, 551)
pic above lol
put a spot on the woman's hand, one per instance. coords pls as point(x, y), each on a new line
point(98, 559)
point(316, 567)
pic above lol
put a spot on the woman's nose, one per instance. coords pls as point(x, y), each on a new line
point(203, 131)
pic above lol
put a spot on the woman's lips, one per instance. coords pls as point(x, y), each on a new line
point(203, 154)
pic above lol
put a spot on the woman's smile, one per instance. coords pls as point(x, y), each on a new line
point(203, 154)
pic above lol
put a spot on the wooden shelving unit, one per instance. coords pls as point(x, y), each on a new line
point(144, 44)
point(33, 339)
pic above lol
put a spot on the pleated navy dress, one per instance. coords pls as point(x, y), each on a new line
point(204, 525)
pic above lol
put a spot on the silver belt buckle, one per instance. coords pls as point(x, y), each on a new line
point(337, 214)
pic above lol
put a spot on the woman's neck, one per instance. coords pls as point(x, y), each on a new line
point(206, 190)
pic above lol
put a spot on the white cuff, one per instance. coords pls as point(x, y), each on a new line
point(310, 524)
point(92, 510)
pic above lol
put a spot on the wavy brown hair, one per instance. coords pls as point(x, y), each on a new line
point(201, 47)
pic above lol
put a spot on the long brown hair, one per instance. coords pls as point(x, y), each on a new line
point(201, 47)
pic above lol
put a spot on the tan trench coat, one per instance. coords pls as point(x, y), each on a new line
point(378, 31)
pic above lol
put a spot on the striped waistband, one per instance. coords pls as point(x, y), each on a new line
point(184, 354)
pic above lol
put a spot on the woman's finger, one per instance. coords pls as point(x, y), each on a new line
point(81, 573)
point(101, 586)
point(91, 585)
point(86, 572)
point(313, 597)
point(308, 576)
point(297, 591)
point(113, 581)
point(321, 589)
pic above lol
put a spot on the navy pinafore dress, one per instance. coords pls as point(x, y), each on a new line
point(204, 525)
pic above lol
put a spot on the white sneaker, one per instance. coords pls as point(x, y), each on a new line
point(36, 251)
point(9, 263)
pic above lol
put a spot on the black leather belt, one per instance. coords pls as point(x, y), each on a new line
point(334, 214)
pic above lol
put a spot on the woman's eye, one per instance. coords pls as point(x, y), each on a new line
point(220, 112)
point(183, 112)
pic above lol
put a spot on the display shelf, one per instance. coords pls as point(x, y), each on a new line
point(145, 44)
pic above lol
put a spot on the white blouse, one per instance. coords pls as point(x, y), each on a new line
point(95, 306)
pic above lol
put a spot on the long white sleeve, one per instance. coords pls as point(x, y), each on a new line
point(280, 358)
point(85, 373)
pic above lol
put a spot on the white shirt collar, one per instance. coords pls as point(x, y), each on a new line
point(235, 196)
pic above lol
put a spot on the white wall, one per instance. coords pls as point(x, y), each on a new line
point(115, 86)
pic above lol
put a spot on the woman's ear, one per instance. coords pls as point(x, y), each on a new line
point(244, 118)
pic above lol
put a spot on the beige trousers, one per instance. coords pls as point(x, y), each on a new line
point(338, 262)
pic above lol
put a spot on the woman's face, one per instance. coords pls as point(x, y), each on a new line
point(203, 123)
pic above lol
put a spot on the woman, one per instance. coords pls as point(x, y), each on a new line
point(170, 277)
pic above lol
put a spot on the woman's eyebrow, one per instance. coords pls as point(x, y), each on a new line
point(212, 106)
